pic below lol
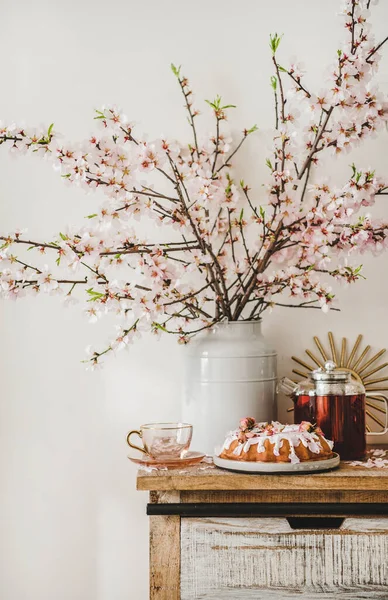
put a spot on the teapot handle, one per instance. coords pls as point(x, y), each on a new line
point(286, 386)
point(385, 399)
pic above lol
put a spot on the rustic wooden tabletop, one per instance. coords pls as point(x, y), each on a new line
point(207, 477)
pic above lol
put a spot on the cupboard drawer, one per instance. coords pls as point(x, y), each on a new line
point(267, 558)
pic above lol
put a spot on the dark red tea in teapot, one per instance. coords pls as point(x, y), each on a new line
point(333, 399)
point(341, 418)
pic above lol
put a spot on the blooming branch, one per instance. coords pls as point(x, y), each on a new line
point(221, 252)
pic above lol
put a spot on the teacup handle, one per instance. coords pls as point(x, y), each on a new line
point(385, 399)
point(133, 432)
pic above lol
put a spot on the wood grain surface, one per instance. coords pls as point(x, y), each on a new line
point(165, 535)
point(284, 496)
point(265, 558)
point(366, 592)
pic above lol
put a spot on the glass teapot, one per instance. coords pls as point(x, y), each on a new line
point(335, 401)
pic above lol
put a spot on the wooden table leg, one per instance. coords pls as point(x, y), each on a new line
point(165, 548)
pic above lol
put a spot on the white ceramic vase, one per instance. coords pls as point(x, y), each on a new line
point(230, 374)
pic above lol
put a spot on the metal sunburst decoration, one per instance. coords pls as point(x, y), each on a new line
point(361, 367)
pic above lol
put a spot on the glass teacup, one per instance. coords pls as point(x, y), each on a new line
point(163, 440)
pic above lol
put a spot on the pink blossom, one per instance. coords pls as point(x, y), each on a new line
point(214, 249)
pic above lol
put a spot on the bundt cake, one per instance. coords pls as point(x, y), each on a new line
point(274, 442)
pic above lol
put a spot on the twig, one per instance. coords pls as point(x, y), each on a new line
point(303, 305)
point(217, 144)
point(229, 158)
point(145, 250)
point(253, 209)
point(16, 240)
point(376, 49)
point(353, 26)
point(282, 112)
point(245, 243)
point(298, 83)
point(199, 310)
point(191, 115)
point(306, 182)
point(187, 297)
point(316, 142)
point(276, 109)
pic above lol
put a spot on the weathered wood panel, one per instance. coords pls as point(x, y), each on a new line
point(354, 593)
point(165, 551)
point(169, 497)
point(265, 558)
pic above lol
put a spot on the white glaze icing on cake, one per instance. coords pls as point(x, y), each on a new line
point(289, 437)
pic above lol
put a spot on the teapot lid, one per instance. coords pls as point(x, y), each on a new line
point(329, 373)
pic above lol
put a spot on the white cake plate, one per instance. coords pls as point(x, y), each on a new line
point(308, 466)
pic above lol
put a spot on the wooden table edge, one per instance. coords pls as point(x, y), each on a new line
point(252, 483)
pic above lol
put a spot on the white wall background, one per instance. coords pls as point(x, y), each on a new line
point(72, 526)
